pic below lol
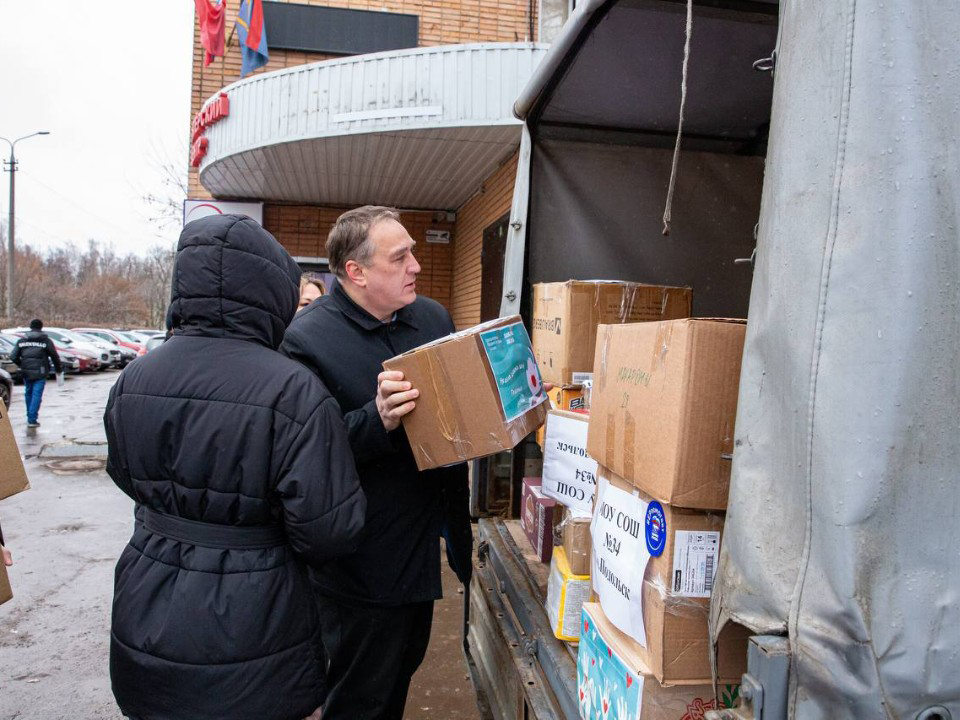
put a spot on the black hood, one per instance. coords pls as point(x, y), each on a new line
point(233, 279)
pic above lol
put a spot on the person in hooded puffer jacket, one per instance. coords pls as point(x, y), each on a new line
point(239, 463)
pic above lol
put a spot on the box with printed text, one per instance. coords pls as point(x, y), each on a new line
point(480, 393)
point(566, 316)
point(663, 407)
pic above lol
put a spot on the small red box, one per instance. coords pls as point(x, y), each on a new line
point(536, 518)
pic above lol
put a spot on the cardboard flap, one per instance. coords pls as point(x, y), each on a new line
point(13, 476)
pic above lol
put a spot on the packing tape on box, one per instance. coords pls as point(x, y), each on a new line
point(445, 408)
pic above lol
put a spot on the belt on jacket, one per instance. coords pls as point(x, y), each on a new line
point(226, 537)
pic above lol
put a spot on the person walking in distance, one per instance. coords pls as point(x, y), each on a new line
point(376, 605)
point(239, 463)
point(33, 353)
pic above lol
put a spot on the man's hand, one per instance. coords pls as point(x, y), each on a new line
point(7, 556)
point(394, 398)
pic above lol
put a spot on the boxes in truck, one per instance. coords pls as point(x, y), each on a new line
point(480, 393)
point(566, 316)
point(563, 397)
point(653, 570)
point(614, 682)
point(569, 473)
point(663, 407)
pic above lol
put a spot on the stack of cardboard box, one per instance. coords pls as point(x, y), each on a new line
point(661, 428)
point(566, 316)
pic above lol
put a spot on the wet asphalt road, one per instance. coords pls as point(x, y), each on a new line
point(66, 533)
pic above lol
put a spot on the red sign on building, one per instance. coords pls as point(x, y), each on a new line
point(210, 114)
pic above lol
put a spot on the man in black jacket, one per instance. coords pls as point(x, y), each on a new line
point(240, 466)
point(33, 353)
point(376, 605)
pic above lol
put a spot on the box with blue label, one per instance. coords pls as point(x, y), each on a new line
point(480, 393)
point(614, 682)
point(653, 569)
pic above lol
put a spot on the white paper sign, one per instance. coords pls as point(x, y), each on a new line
point(694, 562)
point(569, 474)
point(620, 557)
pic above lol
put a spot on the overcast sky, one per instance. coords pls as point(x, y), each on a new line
point(110, 80)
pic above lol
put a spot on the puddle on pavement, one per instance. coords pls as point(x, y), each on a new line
point(76, 466)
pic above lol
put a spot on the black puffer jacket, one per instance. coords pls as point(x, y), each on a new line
point(212, 614)
point(33, 353)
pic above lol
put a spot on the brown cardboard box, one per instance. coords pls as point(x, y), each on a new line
point(674, 613)
point(537, 513)
point(576, 544)
point(563, 397)
point(466, 409)
point(566, 316)
point(620, 677)
point(663, 407)
point(6, 593)
point(13, 477)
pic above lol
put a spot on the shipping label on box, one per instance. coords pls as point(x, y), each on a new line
point(480, 393)
point(536, 518)
point(663, 406)
point(566, 594)
point(656, 587)
point(566, 316)
point(13, 476)
point(613, 682)
point(620, 555)
point(569, 473)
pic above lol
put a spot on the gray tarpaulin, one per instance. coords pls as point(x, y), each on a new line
point(843, 528)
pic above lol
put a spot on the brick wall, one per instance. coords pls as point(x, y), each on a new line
point(446, 22)
point(479, 212)
point(303, 229)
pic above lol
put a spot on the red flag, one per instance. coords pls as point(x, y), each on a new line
point(213, 21)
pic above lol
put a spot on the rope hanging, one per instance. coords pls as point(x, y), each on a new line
point(683, 102)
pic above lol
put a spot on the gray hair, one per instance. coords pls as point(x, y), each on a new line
point(349, 238)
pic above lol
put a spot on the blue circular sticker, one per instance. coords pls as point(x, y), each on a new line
point(655, 528)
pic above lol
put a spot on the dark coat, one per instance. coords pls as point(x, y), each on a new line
point(33, 353)
point(218, 428)
point(398, 561)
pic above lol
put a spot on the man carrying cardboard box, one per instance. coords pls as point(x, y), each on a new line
point(376, 606)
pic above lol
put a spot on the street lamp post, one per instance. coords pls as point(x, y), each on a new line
point(12, 169)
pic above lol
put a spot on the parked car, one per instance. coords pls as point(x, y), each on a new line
point(6, 388)
point(127, 355)
point(72, 359)
point(71, 341)
point(6, 349)
point(155, 342)
point(122, 339)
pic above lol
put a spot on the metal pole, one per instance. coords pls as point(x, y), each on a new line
point(10, 228)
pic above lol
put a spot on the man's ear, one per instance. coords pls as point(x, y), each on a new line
point(355, 273)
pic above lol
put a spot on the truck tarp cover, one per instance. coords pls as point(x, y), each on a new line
point(845, 501)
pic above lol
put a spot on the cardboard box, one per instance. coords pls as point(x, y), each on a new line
point(480, 393)
point(613, 681)
point(566, 594)
point(563, 397)
point(6, 592)
point(13, 476)
point(576, 544)
point(653, 568)
point(663, 407)
point(569, 473)
point(566, 316)
point(537, 518)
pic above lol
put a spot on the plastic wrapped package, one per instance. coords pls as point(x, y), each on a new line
point(566, 594)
